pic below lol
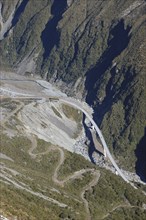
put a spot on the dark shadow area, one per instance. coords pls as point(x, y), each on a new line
point(19, 11)
point(140, 153)
point(50, 35)
point(17, 14)
point(91, 148)
point(118, 40)
point(112, 93)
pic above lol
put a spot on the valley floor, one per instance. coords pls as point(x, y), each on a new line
point(39, 177)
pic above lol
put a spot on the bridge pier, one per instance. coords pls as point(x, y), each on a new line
point(105, 154)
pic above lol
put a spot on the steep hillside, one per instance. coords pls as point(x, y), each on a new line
point(41, 180)
point(93, 50)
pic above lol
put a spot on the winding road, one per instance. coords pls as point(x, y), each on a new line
point(99, 134)
point(76, 174)
point(86, 188)
point(80, 106)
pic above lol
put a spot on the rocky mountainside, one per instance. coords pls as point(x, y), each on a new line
point(94, 50)
point(42, 175)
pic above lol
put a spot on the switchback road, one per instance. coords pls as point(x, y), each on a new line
point(78, 105)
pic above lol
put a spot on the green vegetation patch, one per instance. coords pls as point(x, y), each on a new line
point(36, 174)
point(75, 115)
point(128, 213)
point(110, 193)
point(72, 163)
point(76, 186)
point(56, 112)
point(72, 113)
point(23, 205)
point(42, 146)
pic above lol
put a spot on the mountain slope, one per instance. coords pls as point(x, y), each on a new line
point(41, 179)
point(96, 50)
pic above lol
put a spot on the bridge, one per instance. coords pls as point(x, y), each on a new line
point(82, 106)
point(106, 150)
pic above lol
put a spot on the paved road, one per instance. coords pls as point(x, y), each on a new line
point(100, 136)
point(78, 105)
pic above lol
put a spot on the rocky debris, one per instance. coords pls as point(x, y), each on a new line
point(98, 159)
point(5, 157)
point(28, 64)
point(10, 75)
point(8, 171)
point(10, 132)
point(69, 2)
point(80, 148)
point(101, 162)
point(131, 8)
point(3, 113)
point(132, 177)
point(49, 89)
point(87, 122)
point(3, 218)
point(41, 120)
point(11, 93)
